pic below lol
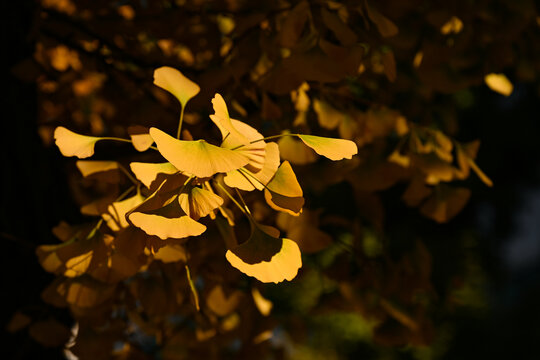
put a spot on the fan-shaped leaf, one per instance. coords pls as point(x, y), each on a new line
point(147, 172)
point(176, 83)
point(73, 144)
point(197, 158)
point(266, 257)
point(333, 149)
point(246, 180)
point(199, 202)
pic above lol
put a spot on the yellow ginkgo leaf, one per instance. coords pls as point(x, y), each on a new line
point(140, 137)
point(294, 151)
point(165, 228)
point(453, 25)
point(176, 83)
point(197, 158)
point(333, 149)
point(89, 167)
point(266, 257)
point(499, 83)
point(284, 182)
point(147, 172)
point(242, 138)
point(199, 202)
point(73, 144)
point(290, 205)
point(78, 265)
point(283, 192)
point(263, 305)
point(171, 253)
point(329, 117)
point(116, 217)
point(244, 179)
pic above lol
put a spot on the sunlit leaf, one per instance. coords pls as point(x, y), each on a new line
point(283, 192)
point(116, 217)
point(221, 303)
point(266, 257)
point(167, 222)
point(72, 144)
point(499, 83)
point(171, 253)
point(78, 265)
point(294, 151)
point(198, 202)
point(284, 181)
point(176, 83)
point(244, 139)
point(89, 167)
point(140, 137)
point(263, 305)
point(453, 25)
point(197, 158)
point(147, 172)
point(333, 149)
point(246, 180)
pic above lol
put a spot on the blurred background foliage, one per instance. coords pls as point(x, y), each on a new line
point(408, 251)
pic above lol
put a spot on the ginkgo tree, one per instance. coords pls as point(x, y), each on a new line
point(197, 180)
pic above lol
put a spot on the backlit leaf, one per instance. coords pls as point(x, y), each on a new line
point(284, 182)
point(199, 202)
point(263, 305)
point(89, 167)
point(176, 83)
point(499, 83)
point(147, 172)
point(294, 151)
point(116, 217)
point(73, 144)
point(246, 180)
point(266, 257)
point(140, 137)
point(333, 149)
point(197, 158)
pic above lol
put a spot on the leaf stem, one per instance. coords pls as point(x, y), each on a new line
point(233, 199)
point(193, 289)
point(116, 139)
point(265, 138)
point(129, 176)
point(180, 122)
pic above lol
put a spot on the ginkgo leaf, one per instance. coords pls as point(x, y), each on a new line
point(147, 172)
point(140, 138)
point(116, 217)
point(266, 257)
point(294, 151)
point(169, 221)
point(89, 167)
point(263, 305)
point(176, 83)
point(244, 139)
point(333, 149)
point(220, 303)
point(165, 228)
point(78, 265)
point(284, 182)
point(283, 192)
point(246, 180)
point(171, 253)
point(73, 144)
point(290, 205)
point(197, 158)
point(199, 202)
point(85, 291)
point(499, 83)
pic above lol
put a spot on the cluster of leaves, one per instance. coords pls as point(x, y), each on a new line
point(386, 77)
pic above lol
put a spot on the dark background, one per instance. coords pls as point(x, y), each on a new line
point(35, 197)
